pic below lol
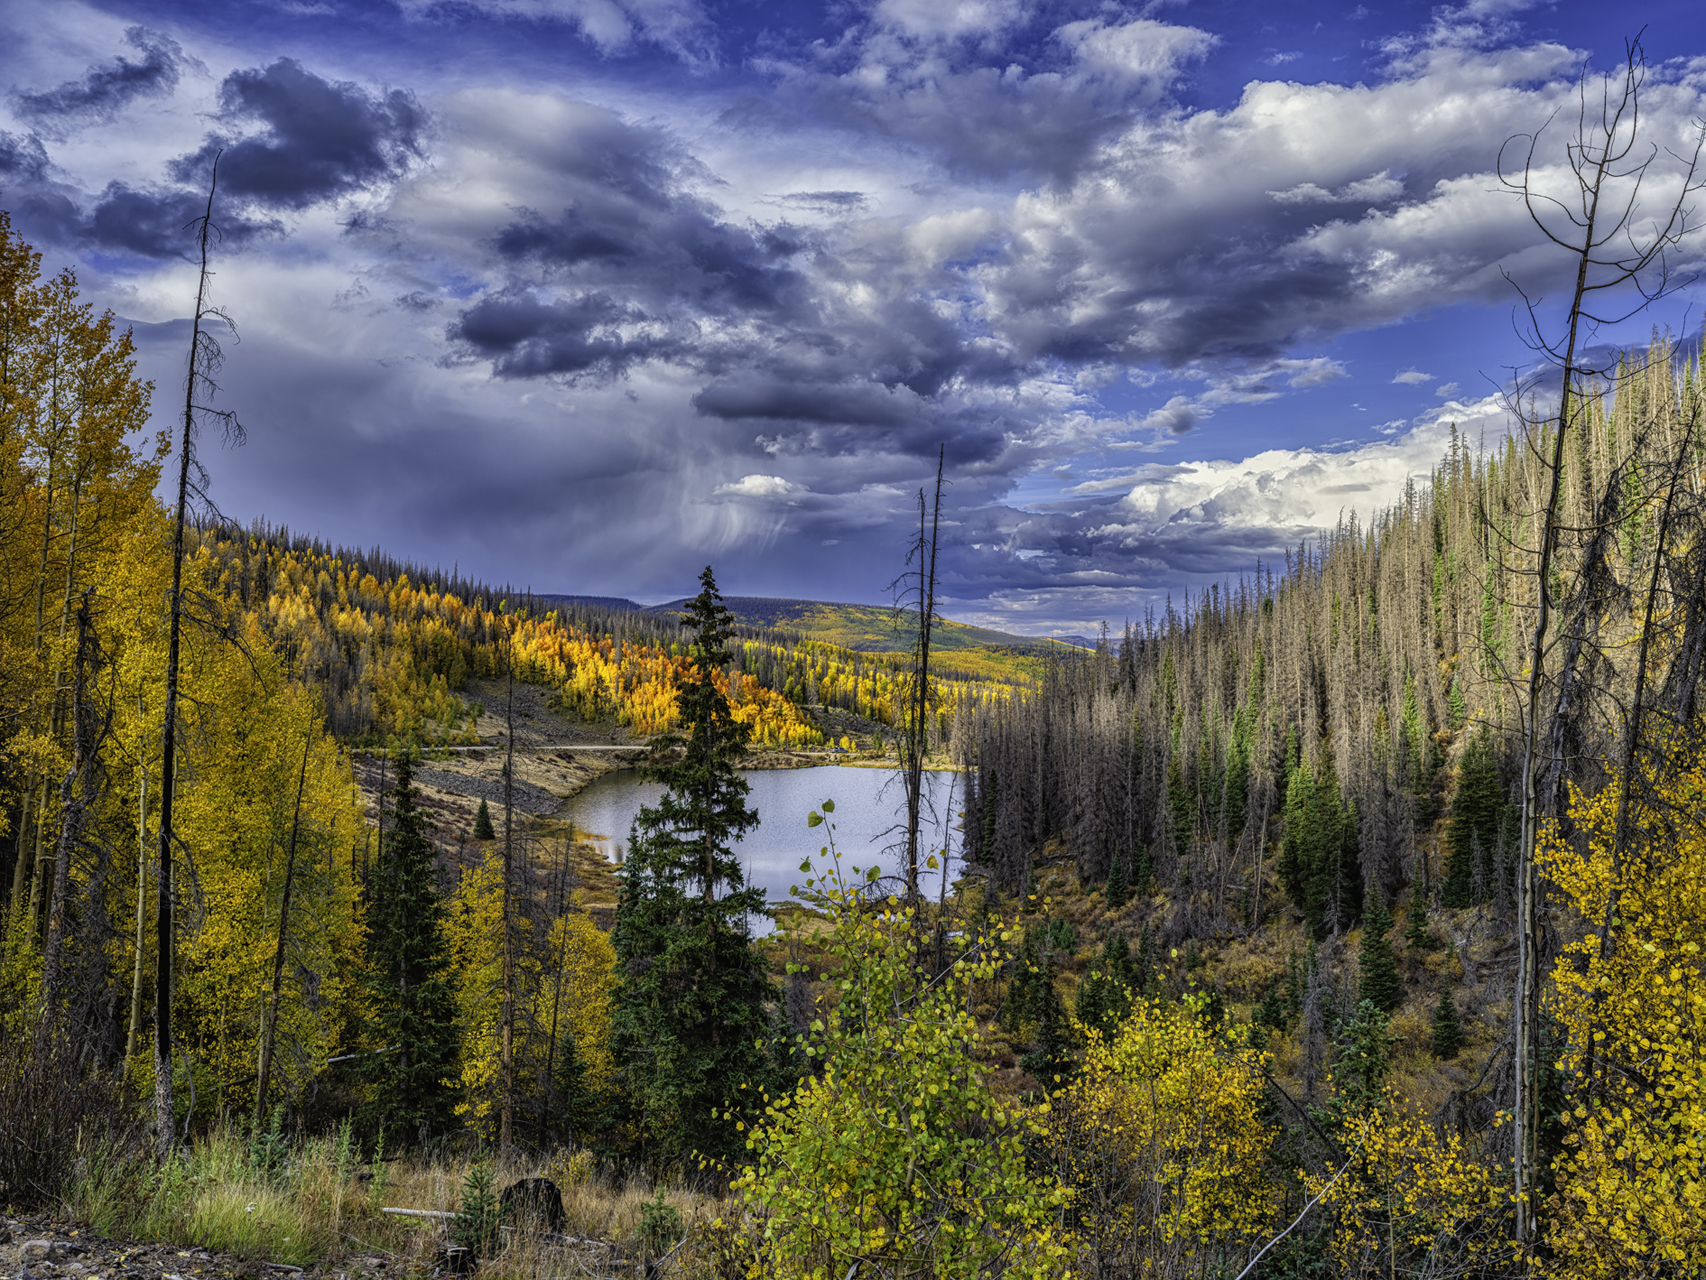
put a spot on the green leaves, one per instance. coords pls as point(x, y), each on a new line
point(895, 1151)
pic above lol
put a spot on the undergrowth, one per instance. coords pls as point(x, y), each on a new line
point(316, 1199)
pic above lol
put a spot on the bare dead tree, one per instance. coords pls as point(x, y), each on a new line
point(915, 738)
point(1618, 249)
point(205, 359)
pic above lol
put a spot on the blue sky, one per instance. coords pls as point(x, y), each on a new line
point(582, 294)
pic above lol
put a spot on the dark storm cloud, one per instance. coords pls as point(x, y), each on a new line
point(23, 160)
point(588, 336)
point(160, 222)
point(763, 399)
point(321, 139)
point(318, 140)
point(674, 248)
point(106, 90)
point(43, 209)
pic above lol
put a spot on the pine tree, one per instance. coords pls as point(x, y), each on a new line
point(1416, 935)
point(1050, 1056)
point(1318, 855)
point(413, 1029)
point(1447, 1028)
point(1378, 970)
point(1118, 891)
point(483, 823)
point(690, 1006)
point(1364, 1042)
point(1476, 813)
point(1104, 997)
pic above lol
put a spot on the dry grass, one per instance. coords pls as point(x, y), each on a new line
point(322, 1204)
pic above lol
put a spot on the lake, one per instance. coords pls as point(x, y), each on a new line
point(869, 808)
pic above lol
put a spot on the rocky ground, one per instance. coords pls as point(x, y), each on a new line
point(45, 1249)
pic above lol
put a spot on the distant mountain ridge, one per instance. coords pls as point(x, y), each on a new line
point(865, 627)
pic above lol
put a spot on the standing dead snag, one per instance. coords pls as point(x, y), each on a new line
point(915, 738)
point(1616, 248)
point(205, 359)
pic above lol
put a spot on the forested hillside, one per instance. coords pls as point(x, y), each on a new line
point(1299, 796)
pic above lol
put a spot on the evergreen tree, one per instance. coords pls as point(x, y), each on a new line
point(690, 1004)
point(1447, 1028)
point(1318, 865)
point(1104, 997)
point(1118, 891)
point(1364, 1043)
point(1416, 935)
point(412, 1027)
point(1144, 978)
point(1377, 969)
point(1050, 1056)
point(1477, 811)
point(483, 823)
point(1142, 869)
point(1020, 1006)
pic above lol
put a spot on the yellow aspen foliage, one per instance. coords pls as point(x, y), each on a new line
point(1161, 1137)
point(1631, 996)
point(1412, 1200)
point(474, 929)
point(248, 734)
point(895, 1151)
point(579, 993)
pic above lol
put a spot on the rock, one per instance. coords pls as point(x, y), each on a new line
point(41, 1251)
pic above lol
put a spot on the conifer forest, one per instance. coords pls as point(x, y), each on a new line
point(1340, 919)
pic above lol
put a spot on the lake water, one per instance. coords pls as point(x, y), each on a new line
point(870, 805)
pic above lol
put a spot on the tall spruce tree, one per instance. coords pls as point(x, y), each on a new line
point(413, 1021)
point(1050, 1056)
point(1447, 1026)
point(1318, 856)
point(1477, 813)
point(1118, 891)
point(1377, 969)
point(690, 1001)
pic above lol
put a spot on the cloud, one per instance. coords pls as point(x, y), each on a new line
point(824, 202)
point(1171, 248)
point(106, 90)
point(319, 139)
point(1410, 377)
point(757, 486)
point(588, 336)
point(1377, 188)
point(613, 27)
point(288, 140)
point(1317, 371)
point(159, 222)
point(923, 75)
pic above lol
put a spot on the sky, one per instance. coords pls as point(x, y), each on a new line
point(582, 295)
